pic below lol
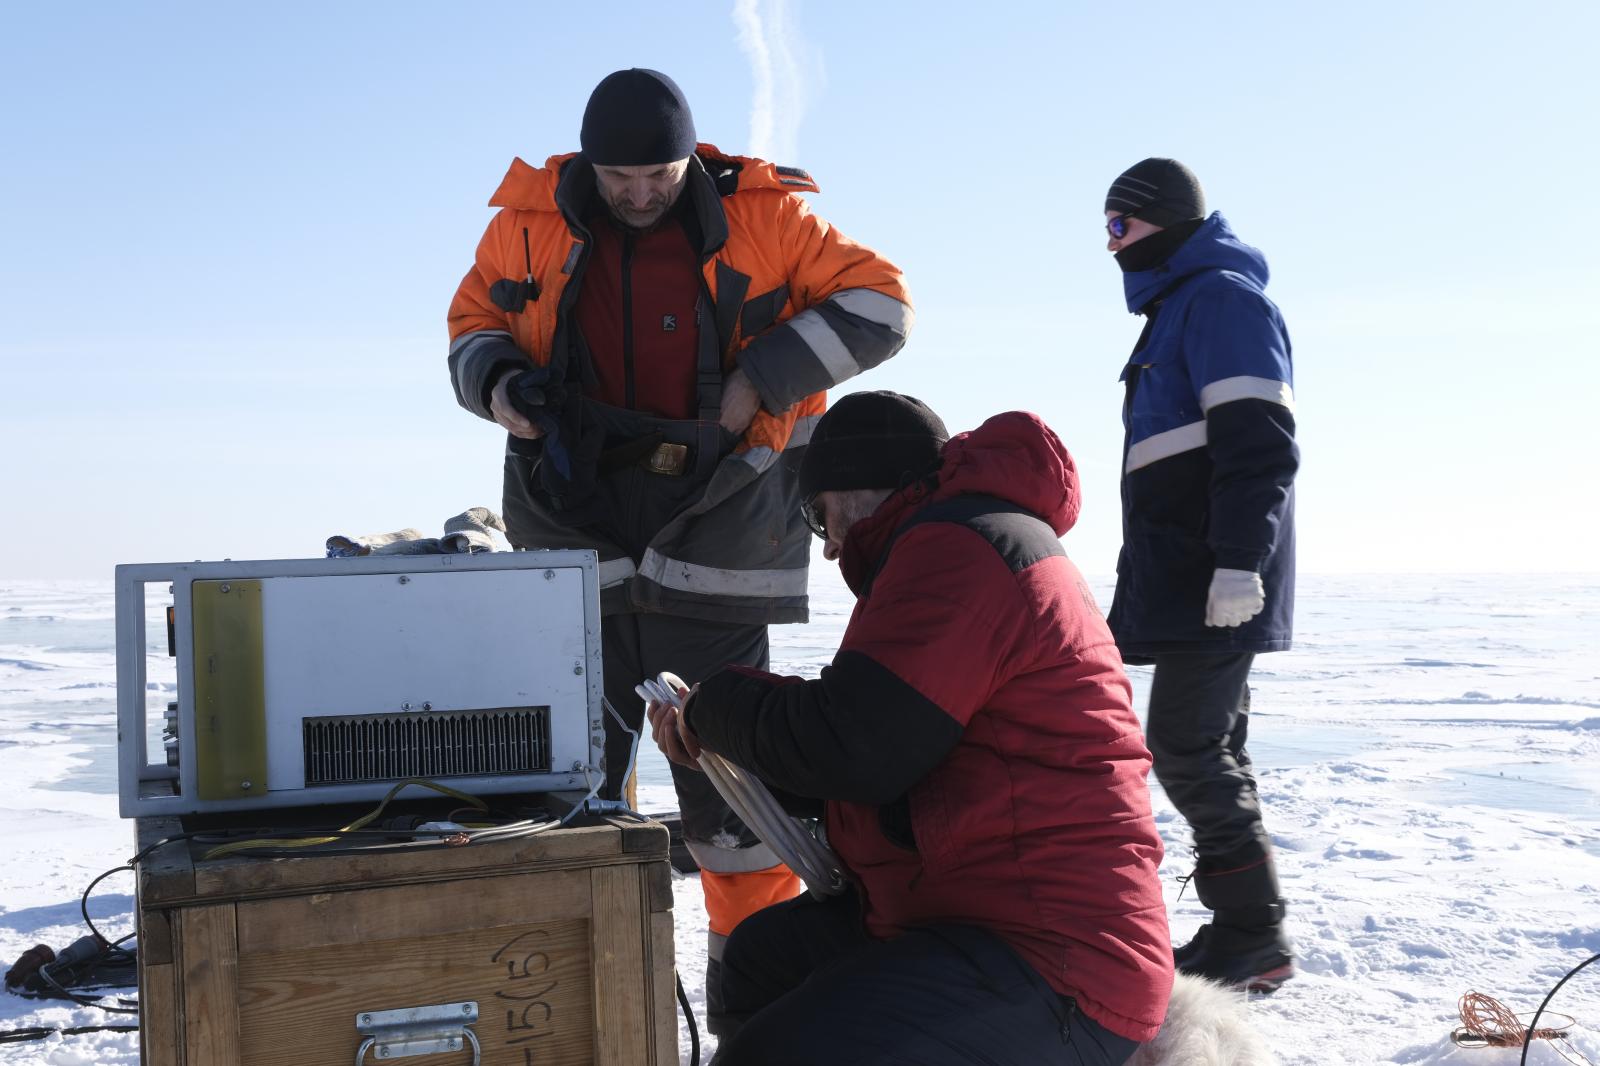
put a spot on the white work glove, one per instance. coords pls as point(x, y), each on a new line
point(1236, 597)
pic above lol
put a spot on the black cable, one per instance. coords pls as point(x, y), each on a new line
point(69, 996)
point(18, 1036)
point(1527, 1034)
point(109, 952)
point(163, 842)
point(83, 907)
point(688, 1016)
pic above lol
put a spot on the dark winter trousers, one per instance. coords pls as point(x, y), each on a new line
point(637, 646)
point(1198, 722)
point(805, 985)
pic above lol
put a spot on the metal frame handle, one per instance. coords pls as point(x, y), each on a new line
point(413, 1031)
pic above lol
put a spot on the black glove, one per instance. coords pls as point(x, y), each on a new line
point(572, 441)
point(533, 394)
point(572, 467)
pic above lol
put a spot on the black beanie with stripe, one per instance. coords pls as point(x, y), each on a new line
point(1162, 192)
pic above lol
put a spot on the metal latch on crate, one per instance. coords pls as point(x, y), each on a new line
point(398, 1034)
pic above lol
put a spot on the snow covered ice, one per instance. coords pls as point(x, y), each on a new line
point(1425, 755)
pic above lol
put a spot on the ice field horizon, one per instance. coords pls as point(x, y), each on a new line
point(1426, 755)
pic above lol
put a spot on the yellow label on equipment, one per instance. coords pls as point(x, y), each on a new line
point(230, 698)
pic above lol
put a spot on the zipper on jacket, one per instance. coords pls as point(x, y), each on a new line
point(627, 319)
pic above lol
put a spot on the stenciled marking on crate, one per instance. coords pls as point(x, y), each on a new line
point(523, 1001)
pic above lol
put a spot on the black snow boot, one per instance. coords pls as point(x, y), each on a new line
point(1243, 944)
point(1243, 948)
point(1182, 955)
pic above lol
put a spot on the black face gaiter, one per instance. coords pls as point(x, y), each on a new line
point(1152, 251)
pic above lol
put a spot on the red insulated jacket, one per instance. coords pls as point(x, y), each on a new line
point(974, 735)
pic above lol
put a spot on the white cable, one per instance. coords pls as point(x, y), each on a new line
point(789, 838)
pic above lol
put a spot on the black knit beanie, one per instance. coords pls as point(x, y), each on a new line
point(872, 440)
point(637, 118)
point(1160, 191)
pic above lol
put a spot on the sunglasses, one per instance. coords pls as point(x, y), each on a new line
point(813, 517)
point(1117, 225)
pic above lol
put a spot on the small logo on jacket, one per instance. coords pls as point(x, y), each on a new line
point(669, 323)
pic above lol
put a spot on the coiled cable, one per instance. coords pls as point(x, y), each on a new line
point(789, 838)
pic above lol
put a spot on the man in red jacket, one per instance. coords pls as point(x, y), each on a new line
point(981, 772)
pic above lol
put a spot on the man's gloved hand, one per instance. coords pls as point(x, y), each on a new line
point(670, 728)
point(1236, 597)
point(740, 402)
point(533, 406)
point(508, 413)
point(533, 394)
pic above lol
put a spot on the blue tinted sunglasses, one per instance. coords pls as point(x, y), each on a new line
point(1117, 225)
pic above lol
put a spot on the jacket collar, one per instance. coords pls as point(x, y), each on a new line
point(1214, 246)
point(867, 543)
point(566, 182)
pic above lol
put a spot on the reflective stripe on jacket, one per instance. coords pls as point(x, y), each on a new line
point(794, 303)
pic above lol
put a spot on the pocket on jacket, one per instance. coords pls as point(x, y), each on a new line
point(894, 822)
point(1172, 573)
point(1175, 549)
point(760, 312)
point(930, 824)
point(961, 810)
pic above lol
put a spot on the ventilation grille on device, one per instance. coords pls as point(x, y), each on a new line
point(387, 747)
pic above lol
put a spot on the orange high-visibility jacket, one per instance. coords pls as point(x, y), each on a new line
point(796, 304)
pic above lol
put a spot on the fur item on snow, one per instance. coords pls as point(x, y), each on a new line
point(477, 529)
point(400, 542)
point(1207, 1025)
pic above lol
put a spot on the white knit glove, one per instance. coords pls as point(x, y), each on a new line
point(1236, 597)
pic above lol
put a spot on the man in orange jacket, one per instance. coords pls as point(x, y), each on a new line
point(655, 323)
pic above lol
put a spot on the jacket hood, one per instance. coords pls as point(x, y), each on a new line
point(1013, 457)
point(534, 188)
point(1017, 458)
point(1214, 246)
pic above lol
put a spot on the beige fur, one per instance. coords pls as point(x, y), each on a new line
point(1207, 1025)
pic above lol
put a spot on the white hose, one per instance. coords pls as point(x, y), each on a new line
point(788, 837)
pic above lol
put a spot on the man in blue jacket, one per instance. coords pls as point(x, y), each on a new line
point(1205, 581)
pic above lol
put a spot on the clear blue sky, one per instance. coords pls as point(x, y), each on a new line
point(229, 234)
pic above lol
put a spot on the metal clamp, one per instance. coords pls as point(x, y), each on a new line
point(398, 1034)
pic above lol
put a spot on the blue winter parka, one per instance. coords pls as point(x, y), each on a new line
point(1209, 454)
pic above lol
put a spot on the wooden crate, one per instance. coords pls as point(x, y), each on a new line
point(563, 939)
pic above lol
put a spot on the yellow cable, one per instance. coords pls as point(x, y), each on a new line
point(360, 823)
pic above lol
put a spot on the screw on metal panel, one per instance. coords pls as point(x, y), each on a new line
point(466, 1008)
point(383, 1052)
point(227, 588)
point(405, 706)
point(404, 580)
point(245, 785)
point(454, 1043)
point(427, 706)
point(366, 1019)
point(577, 765)
point(549, 575)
